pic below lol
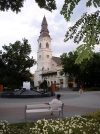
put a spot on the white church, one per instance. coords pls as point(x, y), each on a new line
point(48, 66)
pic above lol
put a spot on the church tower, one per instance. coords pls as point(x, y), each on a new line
point(44, 53)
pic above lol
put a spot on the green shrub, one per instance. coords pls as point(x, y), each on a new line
point(95, 115)
point(95, 89)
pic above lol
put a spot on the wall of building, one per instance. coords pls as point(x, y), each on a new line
point(37, 78)
point(53, 65)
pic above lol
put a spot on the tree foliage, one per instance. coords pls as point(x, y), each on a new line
point(85, 30)
point(14, 5)
point(88, 33)
point(17, 63)
point(2, 70)
point(70, 5)
point(43, 85)
point(86, 73)
point(47, 4)
point(68, 61)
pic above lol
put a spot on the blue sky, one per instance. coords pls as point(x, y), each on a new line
point(27, 24)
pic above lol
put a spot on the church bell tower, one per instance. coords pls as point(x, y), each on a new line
point(44, 53)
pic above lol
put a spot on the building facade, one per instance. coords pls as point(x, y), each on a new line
point(48, 66)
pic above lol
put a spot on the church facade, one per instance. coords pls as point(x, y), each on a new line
point(48, 66)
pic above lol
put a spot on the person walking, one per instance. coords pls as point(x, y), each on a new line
point(80, 89)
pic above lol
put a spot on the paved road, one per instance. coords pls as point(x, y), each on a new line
point(12, 109)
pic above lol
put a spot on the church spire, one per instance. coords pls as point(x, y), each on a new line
point(44, 29)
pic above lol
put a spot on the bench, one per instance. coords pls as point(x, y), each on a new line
point(41, 108)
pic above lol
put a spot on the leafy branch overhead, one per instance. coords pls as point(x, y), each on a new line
point(47, 4)
point(16, 5)
point(67, 9)
point(69, 6)
point(85, 30)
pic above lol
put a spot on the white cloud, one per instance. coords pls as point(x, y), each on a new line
point(27, 24)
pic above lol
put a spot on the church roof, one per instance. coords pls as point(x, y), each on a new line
point(44, 28)
point(57, 60)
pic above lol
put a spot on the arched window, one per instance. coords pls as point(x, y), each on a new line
point(39, 56)
point(47, 45)
point(47, 56)
point(40, 45)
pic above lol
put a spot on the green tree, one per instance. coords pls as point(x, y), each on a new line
point(87, 73)
point(17, 63)
point(2, 71)
point(43, 85)
point(68, 61)
point(92, 71)
point(69, 67)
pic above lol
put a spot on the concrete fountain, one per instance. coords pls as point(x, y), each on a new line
point(27, 92)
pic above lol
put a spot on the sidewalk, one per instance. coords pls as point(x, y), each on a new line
point(12, 109)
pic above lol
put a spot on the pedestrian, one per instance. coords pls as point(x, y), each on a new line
point(80, 89)
point(61, 85)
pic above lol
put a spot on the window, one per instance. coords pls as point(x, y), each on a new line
point(59, 73)
point(47, 45)
point(40, 45)
point(39, 56)
point(61, 81)
point(47, 56)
